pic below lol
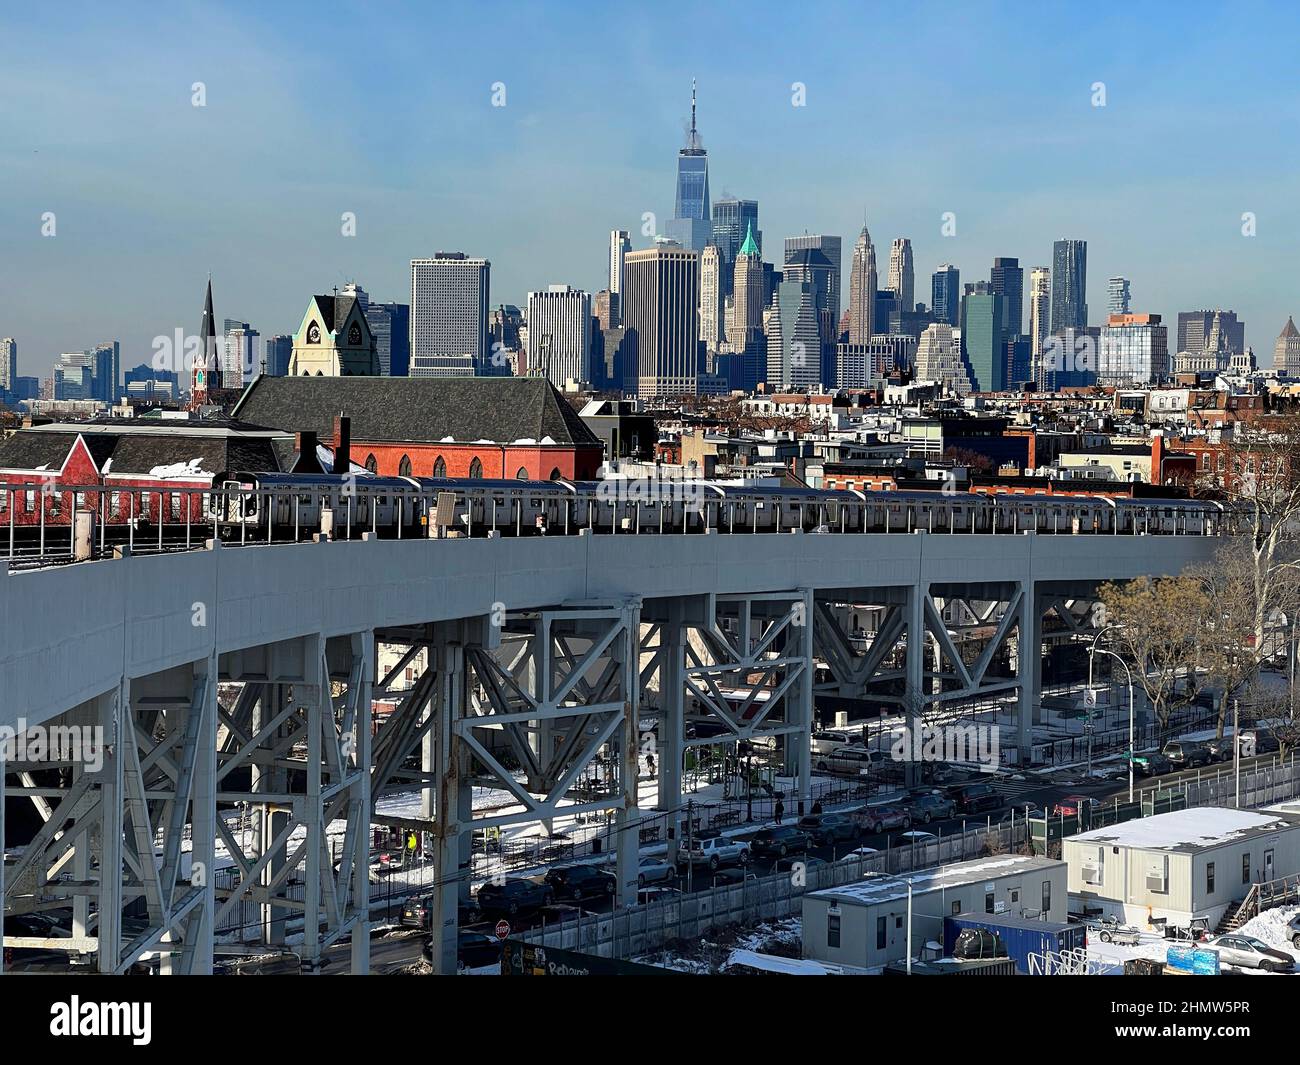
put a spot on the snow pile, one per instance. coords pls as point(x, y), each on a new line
point(1271, 927)
point(193, 468)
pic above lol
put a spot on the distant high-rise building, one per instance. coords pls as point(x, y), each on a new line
point(1007, 279)
point(391, 325)
point(1118, 296)
point(1069, 285)
point(938, 359)
point(8, 364)
point(559, 334)
point(690, 225)
point(1134, 350)
point(830, 247)
point(1193, 331)
point(733, 219)
point(750, 296)
point(983, 340)
point(239, 354)
point(711, 297)
point(1040, 305)
point(945, 295)
point(812, 266)
point(902, 275)
point(660, 316)
point(794, 338)
point(862, 289)
point(279, 350)
point(449, 301)
point(619, 246)
point(604, 306)
point(1286, 352)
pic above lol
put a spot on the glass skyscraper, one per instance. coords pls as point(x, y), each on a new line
point(945, 295)
point(690, 225)
point(1069, 285)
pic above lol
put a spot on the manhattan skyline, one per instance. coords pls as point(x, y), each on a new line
point(907, 116)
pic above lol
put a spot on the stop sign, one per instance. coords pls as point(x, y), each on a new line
point(502, 929)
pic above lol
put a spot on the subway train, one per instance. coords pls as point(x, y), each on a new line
point(282, 506)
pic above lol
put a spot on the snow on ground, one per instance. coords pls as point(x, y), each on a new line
point(1270, 926)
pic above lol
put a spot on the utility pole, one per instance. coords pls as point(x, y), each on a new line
point(909, 928)
point(1236, 752)
point(690, 839)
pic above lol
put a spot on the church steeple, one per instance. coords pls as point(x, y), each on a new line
point(205, 375)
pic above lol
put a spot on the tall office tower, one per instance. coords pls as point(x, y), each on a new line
point(888, 313)
point(106, 370)
point(73, 377)
point(750, 296)
point(1117, 295)
point(831, 248)
point(862, 289)
point(1007, 279)
point(1134, 350)
point(449, 301)
point(619, 246)
point(8, 364)
point(733, 220)
point(239, 354)
point(205, 373)
point(711, 297)
point(811, 265)
point(279, 349)
point(504, 327)
point(661, 296)
point(902, 275)
point(945, 295)
point(1069, 285)
point(391, 325)
point(938, 359)
point(603, 309)
point(1286, 352)
point(983, 339)
point(1194, 330)
point(1040, 303)
point(690, 225)
point(794, 339)
point(559, 334)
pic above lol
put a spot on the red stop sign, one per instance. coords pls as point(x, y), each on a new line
point(502, 929)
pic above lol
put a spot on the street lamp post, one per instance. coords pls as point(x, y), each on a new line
point(1094, 649)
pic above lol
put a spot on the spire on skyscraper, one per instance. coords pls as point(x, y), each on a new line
point(749, 247)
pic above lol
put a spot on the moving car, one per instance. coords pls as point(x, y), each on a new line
point(931, 806)
point(513, 896)
point(779, 841)
point(1247, 952)
point(850, 761)
point(975, 798)
point(1073, 805)
point(1185, 754)
point(578, 882)
point(829, 828)
point(714, 851)
point(874, 819)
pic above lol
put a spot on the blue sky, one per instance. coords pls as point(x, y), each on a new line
point(385, 110)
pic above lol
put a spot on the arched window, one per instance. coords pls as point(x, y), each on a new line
point(555, 474)
point(404, 467)
point(371, 464)
point(522, 474)
point(440, 467)
point(476, 468)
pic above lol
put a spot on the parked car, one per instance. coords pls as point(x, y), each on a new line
point(850, 761)
point(787, 864)
point(36, 926)
point(578, 882)
point(975, 798)
point(906, 839)
point(1258, 740)
point(1293, 930)
point(829, 828)
point(732, 877)
point(858, 854)
point(931, 806)
point(714, 851)
point(1024, 812)
point(418, 912)
point(1073, 805)
point(1247, 952)
point(1186, 754)
point(825, 742)
point(1220, 749)
point(655, 871)
point(778, 841)
point(875, 819)
point(513, 896)
point(1151, 764)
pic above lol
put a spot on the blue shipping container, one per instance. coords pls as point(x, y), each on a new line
point(1020, 936)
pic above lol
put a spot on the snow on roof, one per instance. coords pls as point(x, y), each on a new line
point(884, 888)
point(1203, 826)
point(193, 468)
point(773, 964)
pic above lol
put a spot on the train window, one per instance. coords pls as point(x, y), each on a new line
point(29, 501)
point(4, 500)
